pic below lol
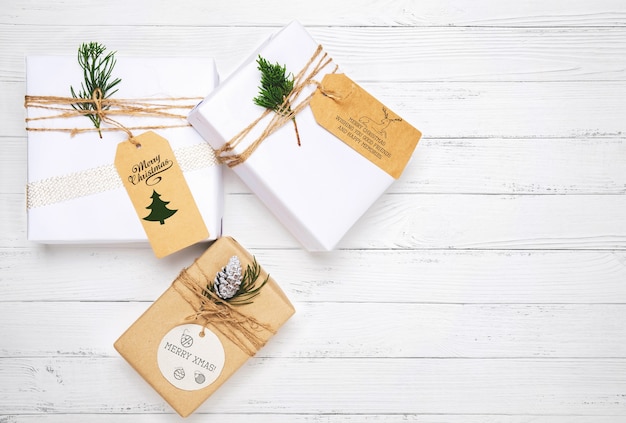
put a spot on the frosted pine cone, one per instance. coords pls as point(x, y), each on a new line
point(228, 280)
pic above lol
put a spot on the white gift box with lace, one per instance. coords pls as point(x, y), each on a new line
point(74, 194)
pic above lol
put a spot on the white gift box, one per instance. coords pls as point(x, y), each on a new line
point(74, 193)
point(317, 190)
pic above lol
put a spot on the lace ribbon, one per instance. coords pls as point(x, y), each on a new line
point(105, 178)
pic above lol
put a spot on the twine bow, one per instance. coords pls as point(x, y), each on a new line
point(241, 329)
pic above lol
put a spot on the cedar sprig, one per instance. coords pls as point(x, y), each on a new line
point(248, 288)
point(97, 72)
point(276, 85)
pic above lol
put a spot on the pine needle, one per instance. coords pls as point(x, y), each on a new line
point(97, 72)
point(276, 85)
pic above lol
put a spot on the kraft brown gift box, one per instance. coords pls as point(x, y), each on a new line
point(185, 354)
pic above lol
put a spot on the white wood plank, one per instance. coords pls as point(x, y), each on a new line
point(513, 98)
point(348, 330)
point(541, 110)
point(366, 54)
point(455, 221)
point(506, 166)
point(321, 12)
point(330, 386)
point(87, 273)
point(13, 223)
point(13, 162)
point(457, 166)
point(200, 416)
point(424, 221)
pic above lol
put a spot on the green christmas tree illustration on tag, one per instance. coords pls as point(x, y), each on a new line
point(159, 211)
point(146, 163)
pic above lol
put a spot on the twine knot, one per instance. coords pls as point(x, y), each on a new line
point(241, 329)
point(96, 96)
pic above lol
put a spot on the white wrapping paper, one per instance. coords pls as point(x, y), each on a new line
point(318, 190)
point(84, 162)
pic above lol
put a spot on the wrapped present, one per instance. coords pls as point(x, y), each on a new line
point(74, 193)
point(320, 159)
point(217, 313)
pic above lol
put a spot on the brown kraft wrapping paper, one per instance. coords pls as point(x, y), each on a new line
point(144, 343)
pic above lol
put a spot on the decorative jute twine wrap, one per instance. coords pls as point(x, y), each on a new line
point(104, 178)
point(287, 111)
point(105, 109)
point(241, 329)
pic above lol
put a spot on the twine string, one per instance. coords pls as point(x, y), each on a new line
point(241, 329)
point(97, 101)
point(92, 181)
point(105, 108)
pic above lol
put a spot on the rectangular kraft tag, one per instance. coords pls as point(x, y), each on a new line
point(159, 193)
point(364, 123)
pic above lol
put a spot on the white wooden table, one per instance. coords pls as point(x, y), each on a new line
point(487, 285)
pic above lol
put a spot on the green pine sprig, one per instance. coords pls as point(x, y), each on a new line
point(97, 72)
point(276, 85)
point(248, 288)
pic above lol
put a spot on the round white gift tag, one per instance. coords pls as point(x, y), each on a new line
point(188, 360)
